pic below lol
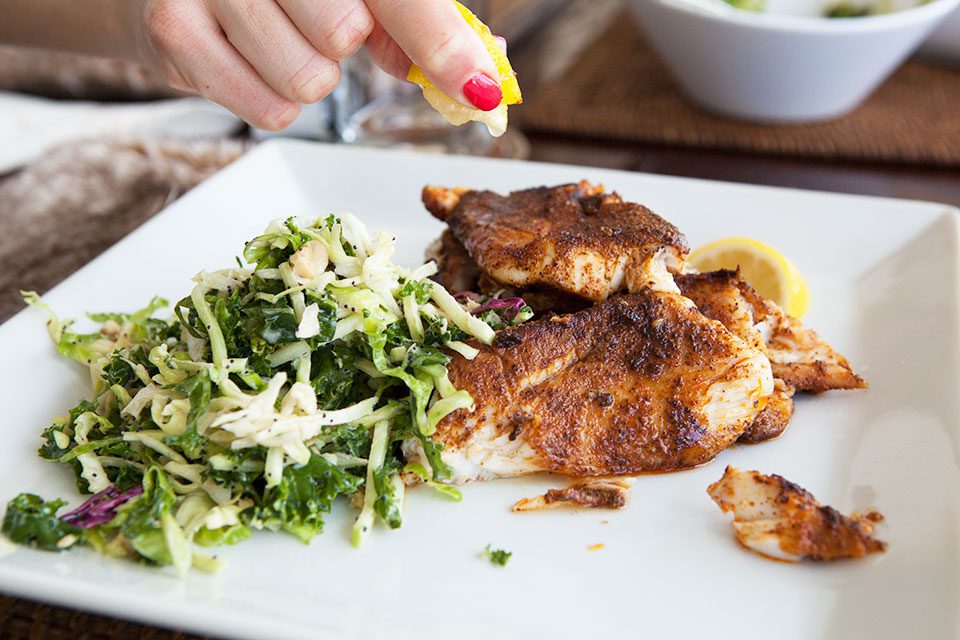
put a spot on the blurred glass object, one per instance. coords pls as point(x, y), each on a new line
point(375, 109)
point(315, 122)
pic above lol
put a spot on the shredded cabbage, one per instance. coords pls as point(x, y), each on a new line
point(274, 389)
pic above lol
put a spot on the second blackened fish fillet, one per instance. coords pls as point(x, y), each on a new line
point(573, 238)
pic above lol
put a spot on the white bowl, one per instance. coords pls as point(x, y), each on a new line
point(786, 64)
point(944, 44)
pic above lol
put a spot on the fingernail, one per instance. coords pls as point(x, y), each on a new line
point(482, 92)
point(281, 115)
point(502, 42)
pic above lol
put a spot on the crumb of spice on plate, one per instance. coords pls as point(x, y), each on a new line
point(596, 547)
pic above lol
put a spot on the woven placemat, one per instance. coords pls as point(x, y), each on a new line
point(618, 89)
point(25, 620)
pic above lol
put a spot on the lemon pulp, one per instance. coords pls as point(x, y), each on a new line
point(458, 114)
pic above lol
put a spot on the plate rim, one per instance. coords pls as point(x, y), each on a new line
point(68, 591)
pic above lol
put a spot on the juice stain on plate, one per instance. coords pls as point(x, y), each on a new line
point(596, 547)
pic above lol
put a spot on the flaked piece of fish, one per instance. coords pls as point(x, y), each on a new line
point(798, 356)
point(593, 493)
point(778, 519)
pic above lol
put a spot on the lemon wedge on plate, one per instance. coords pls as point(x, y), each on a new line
point(768, 270)
point(458, 114)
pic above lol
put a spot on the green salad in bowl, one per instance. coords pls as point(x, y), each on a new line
point(835, 9)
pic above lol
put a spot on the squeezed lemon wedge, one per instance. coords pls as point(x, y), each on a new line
point(458, 114)
point(768, 270)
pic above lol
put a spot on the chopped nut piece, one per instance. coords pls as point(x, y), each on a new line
point(310, 260)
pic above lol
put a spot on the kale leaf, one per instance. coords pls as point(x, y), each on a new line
point(326, 316)
point(498, 557)
point(352, 440)
point(419, 289)
point(198, 390)
point(305, 493)
point(334, 375)
point(387, 504)
point(31, 521)
point(279, 324)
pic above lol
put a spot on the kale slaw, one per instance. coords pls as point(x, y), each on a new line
point(272, 390)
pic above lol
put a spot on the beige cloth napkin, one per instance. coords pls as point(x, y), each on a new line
point(30, 125)
point(79, 199)
point(91, 181)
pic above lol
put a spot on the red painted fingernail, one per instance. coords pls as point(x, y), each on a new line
point(482, 92)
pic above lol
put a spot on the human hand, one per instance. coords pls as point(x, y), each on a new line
point(263, 58)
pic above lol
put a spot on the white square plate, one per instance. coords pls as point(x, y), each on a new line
point(884, 281)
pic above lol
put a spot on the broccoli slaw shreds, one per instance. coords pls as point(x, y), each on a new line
point(272, 390)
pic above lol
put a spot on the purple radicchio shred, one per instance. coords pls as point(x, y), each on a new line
point(100, 508)
point(463, 296)
point(512, 306)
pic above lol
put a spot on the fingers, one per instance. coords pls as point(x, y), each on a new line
point(336, 28)
point(263, 34)
point(226, 78)
point(434, 35)
point(200, 58)
point(387, 54)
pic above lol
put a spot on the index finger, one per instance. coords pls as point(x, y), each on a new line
point(435, 36)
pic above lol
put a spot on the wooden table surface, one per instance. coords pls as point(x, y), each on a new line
point(918, 183)
point(547, 49)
